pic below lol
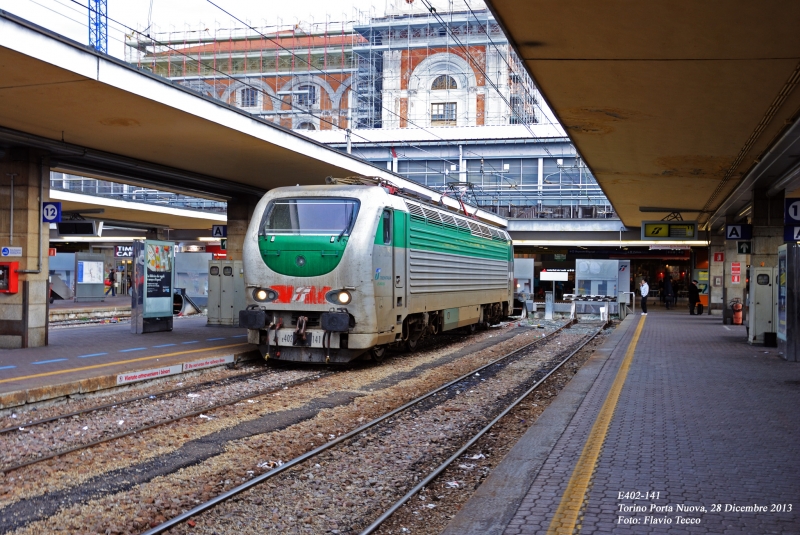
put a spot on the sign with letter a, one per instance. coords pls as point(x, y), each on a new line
point(738, 232)
point(219, 231)
point(791, 233)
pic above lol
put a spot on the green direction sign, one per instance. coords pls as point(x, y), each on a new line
point(744, 247)
point(223, 244)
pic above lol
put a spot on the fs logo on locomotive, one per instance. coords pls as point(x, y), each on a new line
point(310, 295)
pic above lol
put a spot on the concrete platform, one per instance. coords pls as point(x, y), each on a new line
point(676, 425)
point(88, 358)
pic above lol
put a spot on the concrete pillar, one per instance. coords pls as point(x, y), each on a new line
point(715, 275)
point(767, 229)
point(732, 290)
point(240, 211)
point(767, 221)
point(23, 315)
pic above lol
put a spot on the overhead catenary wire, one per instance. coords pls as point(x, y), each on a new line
point(390, 111)
point(480, 69)
point(216, 70)
point(503, 57)
point(295, 55)
point(219, 72)
point(246, 84)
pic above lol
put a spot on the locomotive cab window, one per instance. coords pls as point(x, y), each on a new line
point(310, 216)
point(387, 227)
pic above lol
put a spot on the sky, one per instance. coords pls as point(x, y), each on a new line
point(70, 17)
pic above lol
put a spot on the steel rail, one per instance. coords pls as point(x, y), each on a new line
point(169, 524)
point(442, 467)
point(6, 470)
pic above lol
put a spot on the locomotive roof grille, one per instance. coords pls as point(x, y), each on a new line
point(449, 220)
point(437, 217)
point(415, 210)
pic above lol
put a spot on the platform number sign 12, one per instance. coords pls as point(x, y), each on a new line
point(51, 212)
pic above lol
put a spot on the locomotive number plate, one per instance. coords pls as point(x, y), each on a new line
point(285, 338)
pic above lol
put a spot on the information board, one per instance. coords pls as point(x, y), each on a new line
point(154, 277)
point(90, 272)
point(669, 230)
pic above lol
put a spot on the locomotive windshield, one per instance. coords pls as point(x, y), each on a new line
point(310, 216)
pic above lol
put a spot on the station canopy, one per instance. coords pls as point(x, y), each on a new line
point(669, 103)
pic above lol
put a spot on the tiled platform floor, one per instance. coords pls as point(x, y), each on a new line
point(703, 419)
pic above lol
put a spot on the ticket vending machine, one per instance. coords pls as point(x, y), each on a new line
point(9, 279)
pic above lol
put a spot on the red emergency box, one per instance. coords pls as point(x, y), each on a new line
point(9, 280)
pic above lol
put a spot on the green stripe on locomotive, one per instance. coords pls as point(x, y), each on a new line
point(283, 254)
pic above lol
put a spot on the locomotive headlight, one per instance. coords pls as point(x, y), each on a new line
point(260, 294)
point(339, 297)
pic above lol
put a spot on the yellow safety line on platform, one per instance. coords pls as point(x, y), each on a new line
point(95, 366)
point(566, 516)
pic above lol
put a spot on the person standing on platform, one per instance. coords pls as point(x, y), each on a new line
point(644, 289)
point(668, 292)
point(694, 297)
point(111, 283)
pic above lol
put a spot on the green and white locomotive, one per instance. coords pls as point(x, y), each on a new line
point(341, 271)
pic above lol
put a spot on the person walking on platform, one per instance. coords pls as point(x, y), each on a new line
point(668, 292)
point(644, 289)
point(694, 297)
point(111, 283)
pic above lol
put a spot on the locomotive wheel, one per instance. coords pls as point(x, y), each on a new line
point(472, 328)
point(411, 344)
point(378, 352)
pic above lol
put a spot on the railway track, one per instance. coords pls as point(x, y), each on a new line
point(447, 398)
point(255, 380)
point(15, 458)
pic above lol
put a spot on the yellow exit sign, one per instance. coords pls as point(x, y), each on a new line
point(669, 230)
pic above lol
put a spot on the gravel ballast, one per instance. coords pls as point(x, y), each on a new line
point(369, 473)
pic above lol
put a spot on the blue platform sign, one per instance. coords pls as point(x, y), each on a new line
point(791, 212)
point(791, 233)
point(51, 212)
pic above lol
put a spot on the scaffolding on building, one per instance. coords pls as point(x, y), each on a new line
point(409, 69)
point(374, 57)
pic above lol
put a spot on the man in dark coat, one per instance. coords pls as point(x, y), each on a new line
point(668, 292)
point(694, 296)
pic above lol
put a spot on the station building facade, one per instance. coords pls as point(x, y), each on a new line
point(440, 98)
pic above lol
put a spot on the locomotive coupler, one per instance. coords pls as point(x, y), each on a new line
point(299, 336)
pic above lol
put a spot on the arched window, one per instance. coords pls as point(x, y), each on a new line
point(248, 97)
point(305, 126)
point(444, 82)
